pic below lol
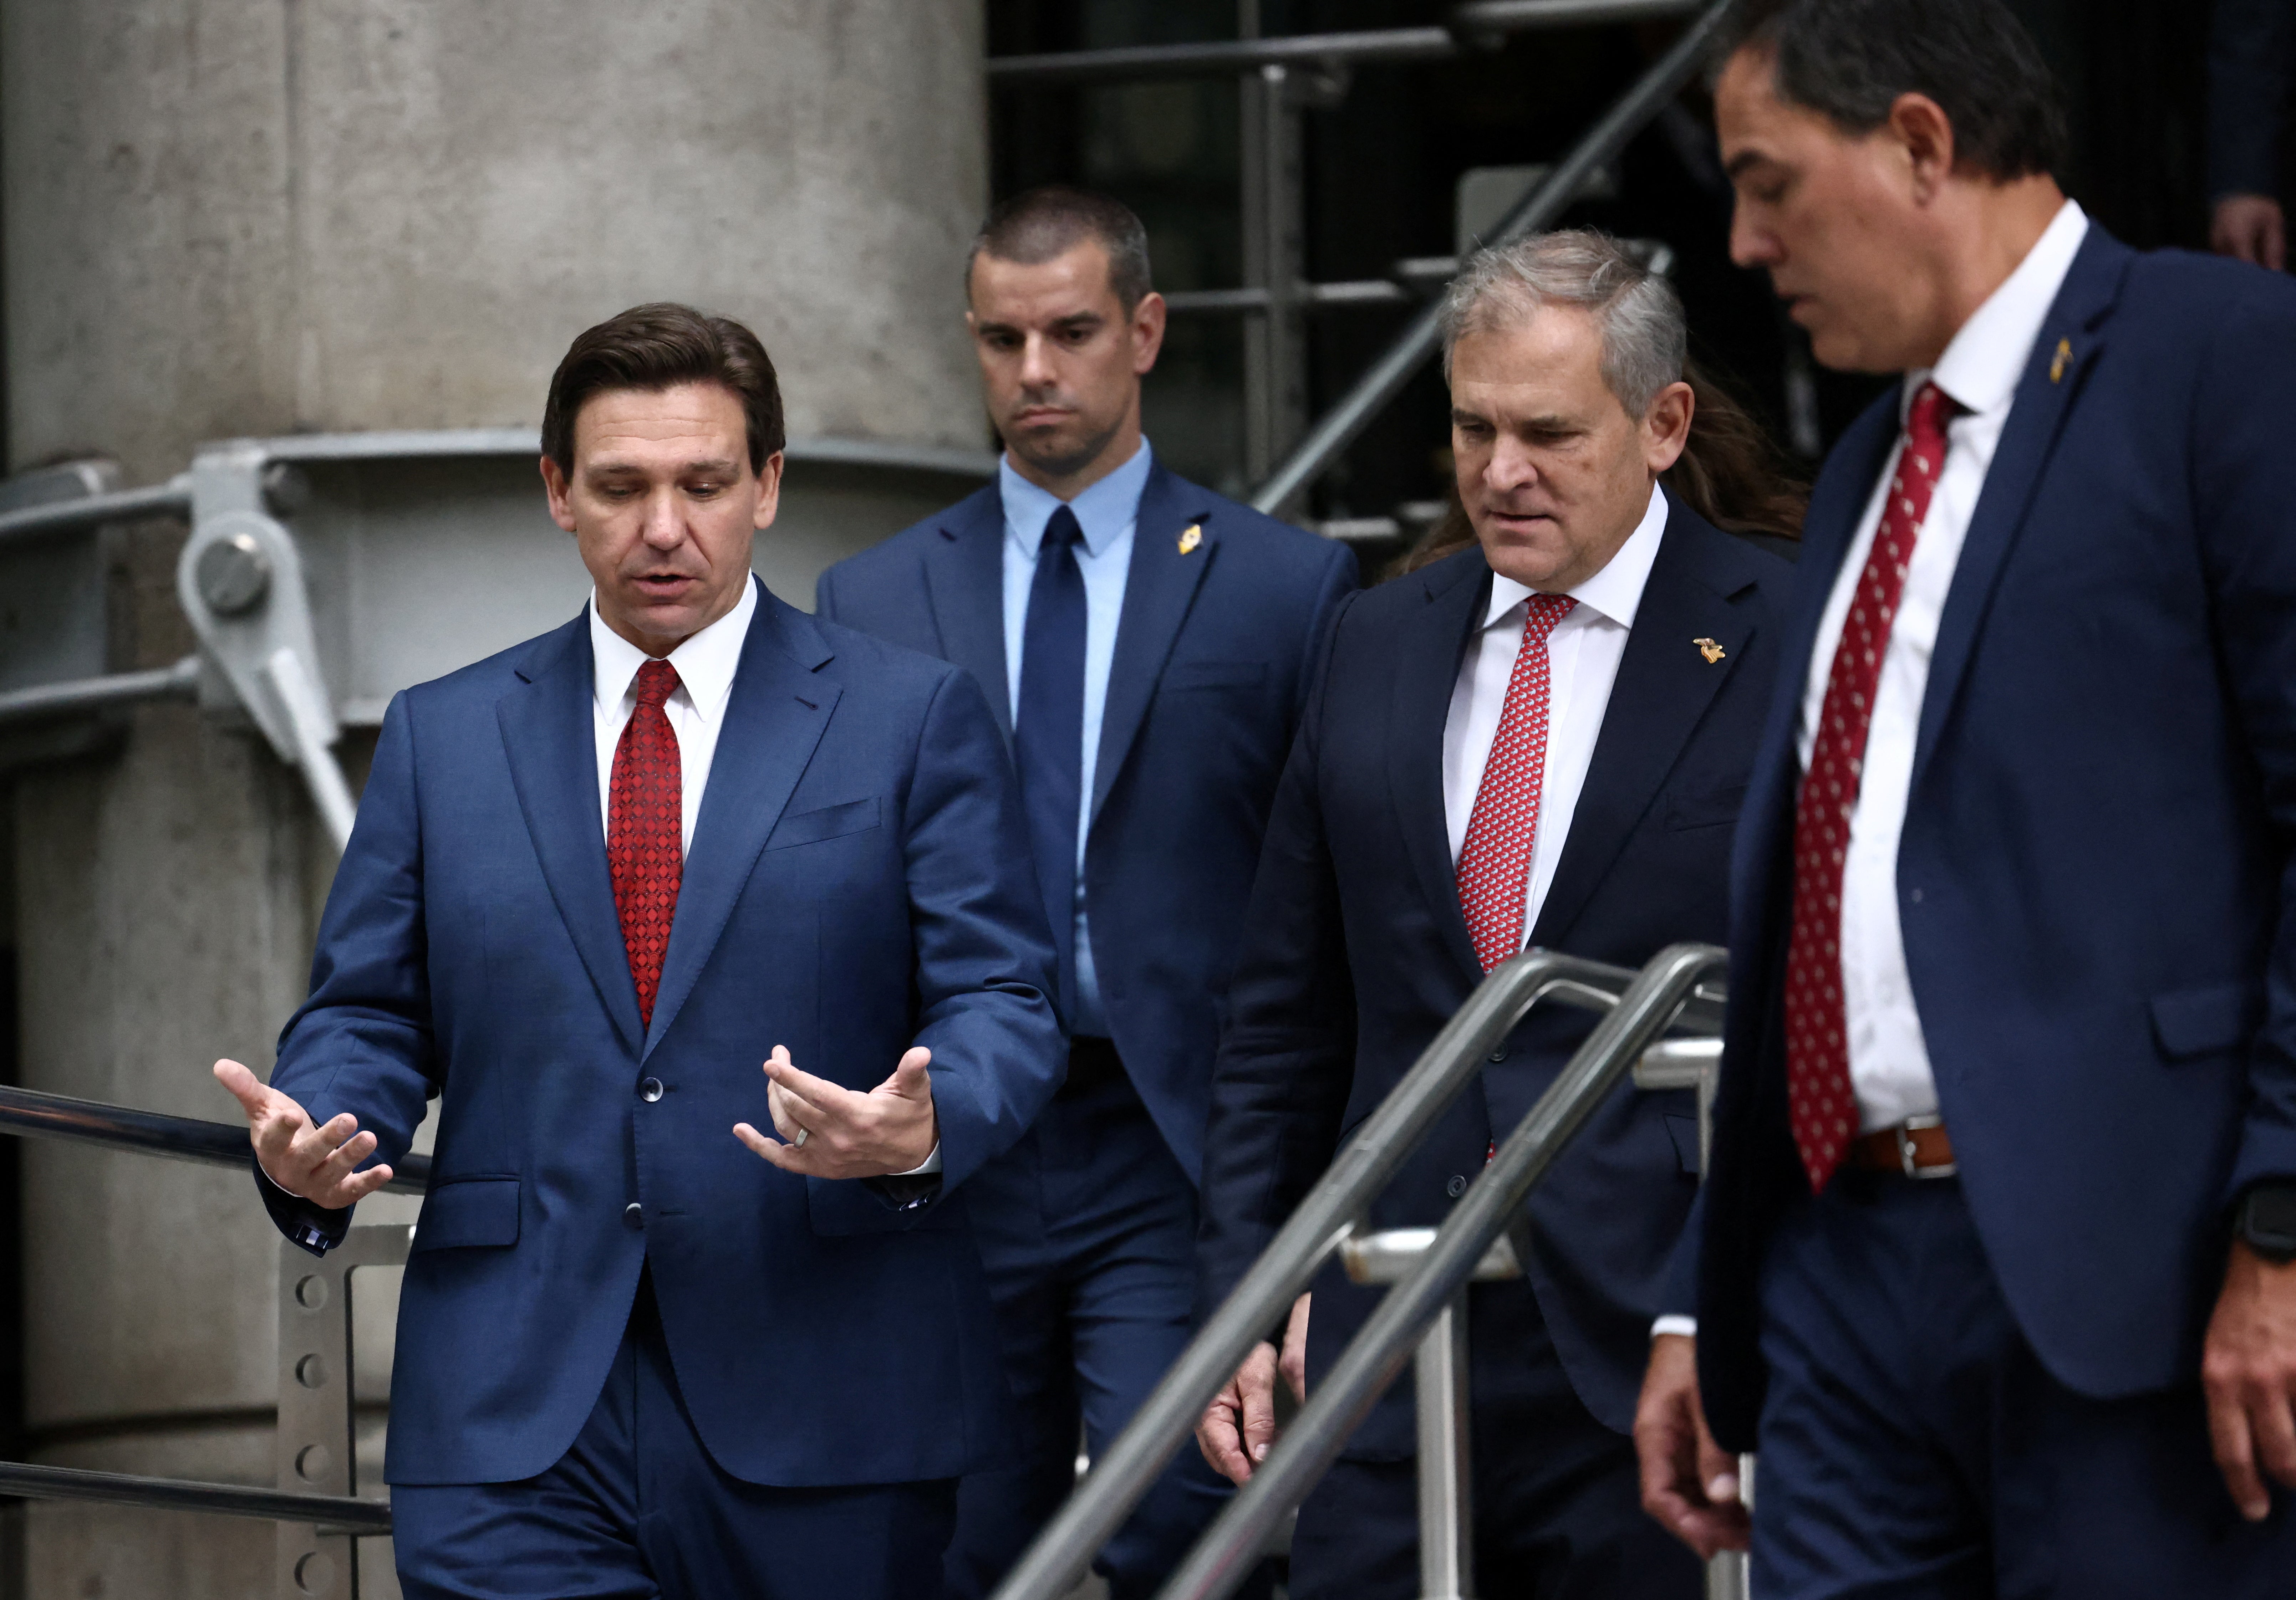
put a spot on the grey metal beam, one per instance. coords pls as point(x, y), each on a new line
point(33, 1114)
point(1538, 210)
point(334, 1513)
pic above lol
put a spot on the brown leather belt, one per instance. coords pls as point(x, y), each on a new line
point(1918, 1147)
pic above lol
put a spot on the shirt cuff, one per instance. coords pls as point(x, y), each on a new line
point(1687, 1327)
point(924, 1168)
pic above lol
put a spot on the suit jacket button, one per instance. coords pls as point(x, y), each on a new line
point(633, 1214)
point(1499, 1055)
point(1455, 1188)
point(650, 1090)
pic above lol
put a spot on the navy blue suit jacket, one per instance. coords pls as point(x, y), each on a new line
point(853, 888)
point(2094, 876)
point(1213, 654)
point(1357, 952)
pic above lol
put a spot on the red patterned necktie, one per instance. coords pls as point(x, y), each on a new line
point(643, 821)
point(1822, 1103)
point(1495, 861)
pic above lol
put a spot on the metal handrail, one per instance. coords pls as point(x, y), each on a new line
point(33, 1114)
point(1361, 1169)
point(1417, 342)
point(1480, 24)
point(180, 681)
point(333, 1513)
point(1373, 1360)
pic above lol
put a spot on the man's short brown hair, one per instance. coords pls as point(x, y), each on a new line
point(1034, 226)
point(657, 347)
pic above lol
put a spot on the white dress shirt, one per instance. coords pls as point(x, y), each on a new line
point(1583, 654)
point(696, 709)
point(1105, 515)
point(1889, 1061)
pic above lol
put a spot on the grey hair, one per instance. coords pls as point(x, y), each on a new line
point(1646, 341)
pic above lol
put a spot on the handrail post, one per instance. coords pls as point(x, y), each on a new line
point(1446, 1498)
point(1372, 1156)
point(1347, 1393)
point(318, 1403)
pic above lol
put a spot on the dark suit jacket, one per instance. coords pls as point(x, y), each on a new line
point(1213, 653)
point(2252, 49)
point(854, 887)
point(1357, 952)
point(2094, 878)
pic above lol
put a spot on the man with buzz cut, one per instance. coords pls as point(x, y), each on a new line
point(646, 1351)
point(1146, 645)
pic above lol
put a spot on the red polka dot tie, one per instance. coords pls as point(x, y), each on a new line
point(1495, 861)
point(645, 810)
point(1822, 1105)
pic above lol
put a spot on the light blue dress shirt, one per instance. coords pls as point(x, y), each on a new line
point(1105, 513)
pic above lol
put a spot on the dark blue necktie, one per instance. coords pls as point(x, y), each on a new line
point(1048, 734)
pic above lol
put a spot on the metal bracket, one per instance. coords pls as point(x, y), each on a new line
point(318, 1411)
point(241, 582)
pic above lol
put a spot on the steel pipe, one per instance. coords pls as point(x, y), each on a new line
point(1468, 26)
point(1219, 58)
point(180, 681)
point(33, 1114)
point(334, 1514)
point(1347, 1393)
point(1318, 1225)
point(1536, 209)
point(170, 499)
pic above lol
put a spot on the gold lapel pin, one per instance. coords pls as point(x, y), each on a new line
point(1712, 651)
point(1190, 537)
point(2064, 354)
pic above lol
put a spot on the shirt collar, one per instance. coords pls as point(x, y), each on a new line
point(1981, 367)
point(705, 663)
point(1103, 511)
point(1615, 593)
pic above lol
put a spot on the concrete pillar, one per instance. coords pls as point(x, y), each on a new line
point(230, 217)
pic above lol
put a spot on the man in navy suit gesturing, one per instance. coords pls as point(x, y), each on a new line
point(1999, 1241)
point(596, 880)
point(1543, 738)
point(1146, 644)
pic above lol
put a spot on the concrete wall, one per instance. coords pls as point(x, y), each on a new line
point(229, 218)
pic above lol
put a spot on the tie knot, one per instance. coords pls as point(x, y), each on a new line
point(1062, 531)
point(1543, 612)
point(656, 681)
point(1932, 410)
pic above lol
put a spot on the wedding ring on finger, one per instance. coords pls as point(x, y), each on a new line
point(803, 1134)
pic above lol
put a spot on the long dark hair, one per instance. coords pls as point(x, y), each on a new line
point(1731, 472)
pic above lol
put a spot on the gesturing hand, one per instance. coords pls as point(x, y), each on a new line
point(1690, 1483)
point(317, 1164)
point(2248, 1369)
point(837, 1132)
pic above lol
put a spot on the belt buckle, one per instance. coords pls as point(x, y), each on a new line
point(1912, 1168)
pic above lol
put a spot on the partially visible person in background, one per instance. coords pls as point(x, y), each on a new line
point(2249, 56)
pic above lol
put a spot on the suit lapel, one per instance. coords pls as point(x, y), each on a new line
point(550, 736)
point(1159, 586)
point(1664, 685)
point(2061, 358)
point(964, 572)
point(1427, 671)
point(773, 720)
